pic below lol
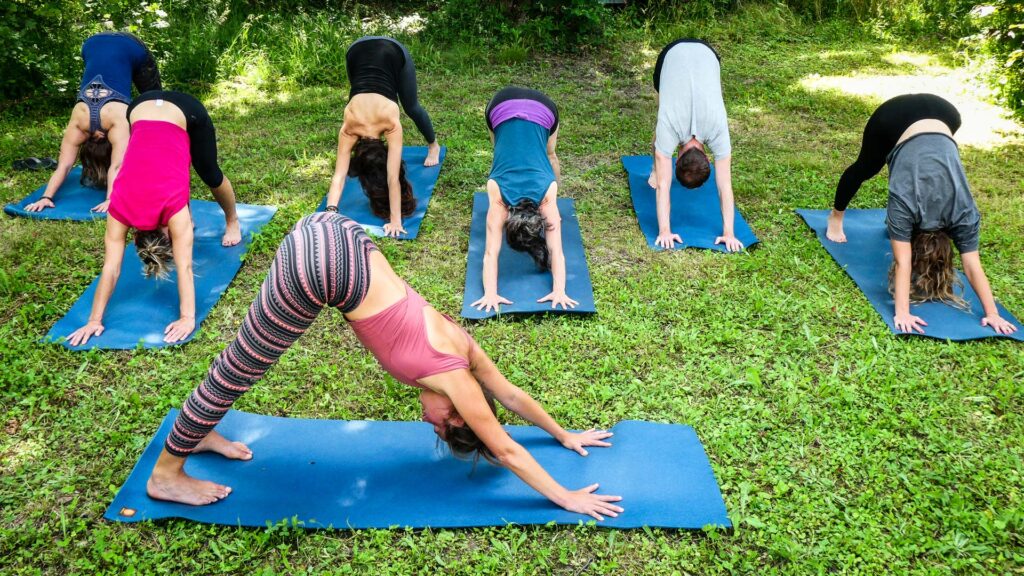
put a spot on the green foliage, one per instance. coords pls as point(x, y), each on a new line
point(1002, 38)
point(546, 25)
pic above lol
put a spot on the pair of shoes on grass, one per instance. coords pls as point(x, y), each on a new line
point(34, 163)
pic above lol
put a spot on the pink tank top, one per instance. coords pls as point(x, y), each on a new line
point(397, 337)
point(153, 183)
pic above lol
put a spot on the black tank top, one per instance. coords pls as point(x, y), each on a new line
point(373, 67)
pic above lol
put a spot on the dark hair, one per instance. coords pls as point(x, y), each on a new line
point(465, 444)
point(525, 229)
point(692, 168)
point(932, 275)
point(154, 248)
point(95, 157)
point(370, 165)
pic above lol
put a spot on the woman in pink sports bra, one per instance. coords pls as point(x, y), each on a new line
point(328, 260)
point(169, 131)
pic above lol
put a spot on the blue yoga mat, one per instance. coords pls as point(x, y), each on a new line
point(696, 214)
point(74, 201)
point(141, 308)
point(866, 257)
point(358, 474)
point(356, 205)
point(519, 279)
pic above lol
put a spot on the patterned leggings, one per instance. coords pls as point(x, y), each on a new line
point(324, 261)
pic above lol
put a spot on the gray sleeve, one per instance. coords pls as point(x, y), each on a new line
point(720, 142)
point(666, 138)
point(966, 232)
point(899, 220)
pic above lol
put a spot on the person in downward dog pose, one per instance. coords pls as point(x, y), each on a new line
point(380, 74)
point(99, 123)
point(930, 206)
point(328, 260)
point(691, 115)
point(522, 191)
point(169, 130)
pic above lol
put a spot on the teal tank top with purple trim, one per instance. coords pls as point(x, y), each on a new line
point(521, 166)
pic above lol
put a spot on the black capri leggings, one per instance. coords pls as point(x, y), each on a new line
point(202, 136)
point(517, 93)
point(382, 65)
point(883, 130)
point(661, 57)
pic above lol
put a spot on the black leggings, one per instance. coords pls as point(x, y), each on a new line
point(202, 136)
point(374, 65)
point(883, 131)
point(661, 57)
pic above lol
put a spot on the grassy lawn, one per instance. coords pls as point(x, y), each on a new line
point(838, 447)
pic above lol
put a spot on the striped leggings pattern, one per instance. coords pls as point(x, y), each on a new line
point(324, 261)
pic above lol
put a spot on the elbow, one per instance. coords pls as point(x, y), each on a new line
point(512, 456)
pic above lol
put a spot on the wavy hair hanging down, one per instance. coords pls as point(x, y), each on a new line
point(370, 164)
point(932, 274)
point(525, 231)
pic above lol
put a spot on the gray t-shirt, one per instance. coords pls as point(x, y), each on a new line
point(690, 101)
point(928, 191)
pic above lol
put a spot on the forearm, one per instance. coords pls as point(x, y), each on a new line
point(334, 192)
point(186, 292)
point(901, 289)
point(976, 276)
point(490, 273)
point(664, 209)
point(56, 179)
point(557, 271)
point(395, 200)
point(530, 410)
point(728, 213)
point(523, 465)
point(104, 289)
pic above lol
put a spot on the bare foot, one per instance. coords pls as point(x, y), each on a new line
point(433, 154)
point(652, 181)
point(218, 444)
point(835, 228)
point(180, 487)
point(232, 233)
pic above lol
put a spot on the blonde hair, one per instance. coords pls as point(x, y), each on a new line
point(154, 248)
point(932, 275)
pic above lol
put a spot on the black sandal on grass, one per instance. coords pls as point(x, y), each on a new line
point(33, 163)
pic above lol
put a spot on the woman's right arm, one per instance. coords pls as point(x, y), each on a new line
point(113, 242)
point(69, 145)
point(465, 393)
point(345, 144)
point(496, 215)
point(903, 319)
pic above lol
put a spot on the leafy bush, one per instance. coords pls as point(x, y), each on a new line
point(1002, 38)
point(559, 25)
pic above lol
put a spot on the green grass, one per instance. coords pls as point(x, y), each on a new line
point(839, 447)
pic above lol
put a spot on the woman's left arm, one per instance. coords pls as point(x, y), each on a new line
point(394, 227)
point(723, 179)
point(976, 276)
point(553, 237)
point(515, 399)
point(180, 230)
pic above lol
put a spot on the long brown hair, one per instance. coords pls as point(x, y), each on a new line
point(932, 275)
point(95, 157)
point(370, 165)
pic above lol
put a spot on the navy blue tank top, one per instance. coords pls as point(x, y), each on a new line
point(110, 60)
point(521, 166)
